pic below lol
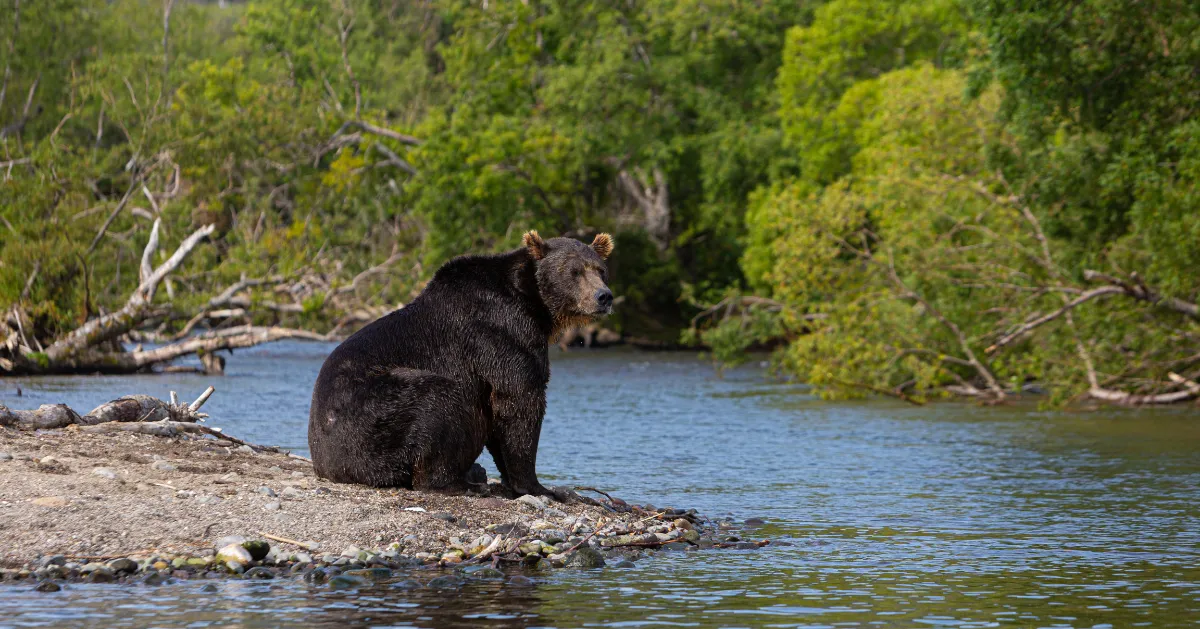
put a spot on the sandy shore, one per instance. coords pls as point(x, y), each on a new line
point(69, 498)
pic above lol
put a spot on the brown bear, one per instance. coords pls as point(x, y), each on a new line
point(412, 399)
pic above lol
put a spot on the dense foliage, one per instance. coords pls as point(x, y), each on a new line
point(901, 195)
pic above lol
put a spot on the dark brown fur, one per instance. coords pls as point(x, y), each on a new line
point(412, 399)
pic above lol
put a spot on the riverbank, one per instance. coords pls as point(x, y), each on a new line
point(125, 506)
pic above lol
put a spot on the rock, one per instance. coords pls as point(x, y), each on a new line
point(105, 472)
point(443, 515)
point(347, 582)
point(624, 563)
point(208, 588)
point(691, 535)
point(407, 585)
point(259, 573)
point(163, 466)
point(521, 581)
point(272, 506)
point(585, 557)
point(4, 456)
point(182, 575)
point(531, 548)
point(160, 565)
point(677, 546)
point(208, 499)
point(184, 494)
point(553, 536)
point(155, 578)
point(683, 525)
point(47, 586)
point(754, 522)
point(123, 565)
point(246, 450)
point(515, 529)
point(291, 493)
point(551, 511)
point(351, 551)
point(426, 557)
point(197, 562)
point(745, 546)
point(258, 548)
point(316, 575)
point(444, 582)
point(101, 574)
point(54, 560)
point(374, 574)
point(537, 503)
point(50, 501)
point(235, 567)
point(179, 562)
point(267, 491)
point(234, 553)
point(487, 572)
point(304, 558)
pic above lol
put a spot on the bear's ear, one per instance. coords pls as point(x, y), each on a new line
point(534, 243)
point(603, 245)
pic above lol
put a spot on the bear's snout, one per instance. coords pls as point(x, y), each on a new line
point(604, 300)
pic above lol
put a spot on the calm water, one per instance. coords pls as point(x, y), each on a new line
point(952, 516)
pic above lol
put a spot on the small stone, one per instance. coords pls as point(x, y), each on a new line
point(47, 586)
point(184, 494)
point(585, 557)
point(407, 585)
point(208, 588)
point(4, 456)
point(375, 574)
point(426, 557)
point(234, 552)
point(101, 574)
point(272, 506)
point(197, 562)
point(160, 565)
point(692, 536)
point(521, 581)
point(163, 466)
point(54, 560)
point(304, 558)
point(259, 573)
point(208, 499)
point(267, 491)
point(246, 450)
point(754, 522)
point(316, 575)
point(347, 582)
point(444, 582)
point(123, 565)
point(677, 546)
point(551, 511)
point(179, 562)
point(235, 567)
point(624, 563)
point(487, 572)
point(745, 546)
point(105, 472)
point(444, 515)
point(531, 548)
point(182, 575)
point(683, 524)
point(257, 547)
point(155, 578)
point(291, 493)
point(537, 503)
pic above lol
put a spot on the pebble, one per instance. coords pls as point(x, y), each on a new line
point(267, 491)
point(444, 582)
point(755, 522)
point(347, 582)
point(536, 503)
point(291, 493)
point(624, 563)
point(375, 574)
point(104, 472)
point(101, 574)
point(259, 573)
point(4, 456)
point(257, 548)
point(163, 466)
point(246, 450)
point(208, 588)
point(229, 539)
point(54, 560)
point(50, 501)
point(122, 565)
point(407, 585)
point(351, 551)
point(48, 586)
point(272, 506)
point(304, 558)
point(235, 567)
point(443, 515)
point(585, 557)
point(155, 578)
point(234, 553)
point(208, 499)
point(521, 581)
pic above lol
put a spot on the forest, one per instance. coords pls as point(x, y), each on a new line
point(918, 199)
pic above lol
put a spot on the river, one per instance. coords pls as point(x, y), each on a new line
point(949, 515)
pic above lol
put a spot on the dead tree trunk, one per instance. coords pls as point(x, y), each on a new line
point(653, 198)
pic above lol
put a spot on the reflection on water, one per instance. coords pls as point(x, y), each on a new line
point(949, 515)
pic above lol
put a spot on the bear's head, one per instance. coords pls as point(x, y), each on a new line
point(572, 277)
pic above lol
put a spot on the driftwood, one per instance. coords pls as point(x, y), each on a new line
point(96, 345)
point(140, 414)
